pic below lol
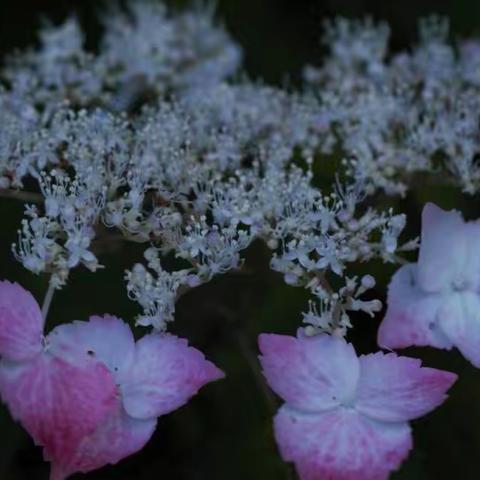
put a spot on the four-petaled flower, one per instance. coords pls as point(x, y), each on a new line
point(154, 376)
point(436, 301)
point(346, 417)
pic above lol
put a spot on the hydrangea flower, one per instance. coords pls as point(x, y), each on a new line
point(436, 301)
point(346, 417)
point(88, 393)
point(154, 376)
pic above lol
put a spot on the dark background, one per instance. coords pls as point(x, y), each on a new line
point(225, 431)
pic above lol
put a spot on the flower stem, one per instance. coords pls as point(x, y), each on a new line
point(48, 299)
point(252, 362)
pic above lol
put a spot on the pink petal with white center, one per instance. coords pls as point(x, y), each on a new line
point(106, 339)
point(460, 321)
point(412, 315)
point(165, 375)
point(21, 324)
point(341, 444)
point(116, 438)
point(57, 403)
point(310, 373)
point(443, 250)
point(396, 389)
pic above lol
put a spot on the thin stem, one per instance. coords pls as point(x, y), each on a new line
point(244, 347)
point(21, 195)
point(337, 311)
point(322, 279)
point(252, 362)
point(48, 299)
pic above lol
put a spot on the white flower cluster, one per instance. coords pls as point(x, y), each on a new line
point(60, 239)
point(144, 51)
point(394, 115)
point(148, 139)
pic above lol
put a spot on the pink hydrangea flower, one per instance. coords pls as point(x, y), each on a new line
point(346, 417)
point(90, 383)
point(437, 300)
point(154, 376)
point(57, 401)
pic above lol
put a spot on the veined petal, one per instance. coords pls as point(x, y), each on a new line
point(166, 373)
point(310, 373)
point(443, 250)
point(116, 438)
point(412, 314)
point(460, 321)
point(21, 324)
point(341, 444)
point(57, 403)
point(396, 389)
point(107, 339)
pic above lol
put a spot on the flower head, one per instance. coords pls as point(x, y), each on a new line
point(153, 376)
point(346, 417)
point(436, 301)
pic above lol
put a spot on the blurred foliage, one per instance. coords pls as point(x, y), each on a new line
point(225, 432)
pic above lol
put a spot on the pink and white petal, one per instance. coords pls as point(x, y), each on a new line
point(443, 249)
point(310, 373)
point(412, 315)
point(460, 321)
point(397, 389)
point(116, 438)
point(341, 444)
point(107, 339)
point(21, 324)
point(57, 403)
point(470, 275)
point(165, 375)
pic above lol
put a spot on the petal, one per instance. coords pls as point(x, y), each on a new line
point(412, 315)
point(57, 403)
point(443, 248)
point(310, 373)
point(396, 389)
point(460, 321)
point(117, 437)
point(341, 444)
point(108, 339)
point(165, 375)
point(469, 277)
point(21, 324)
